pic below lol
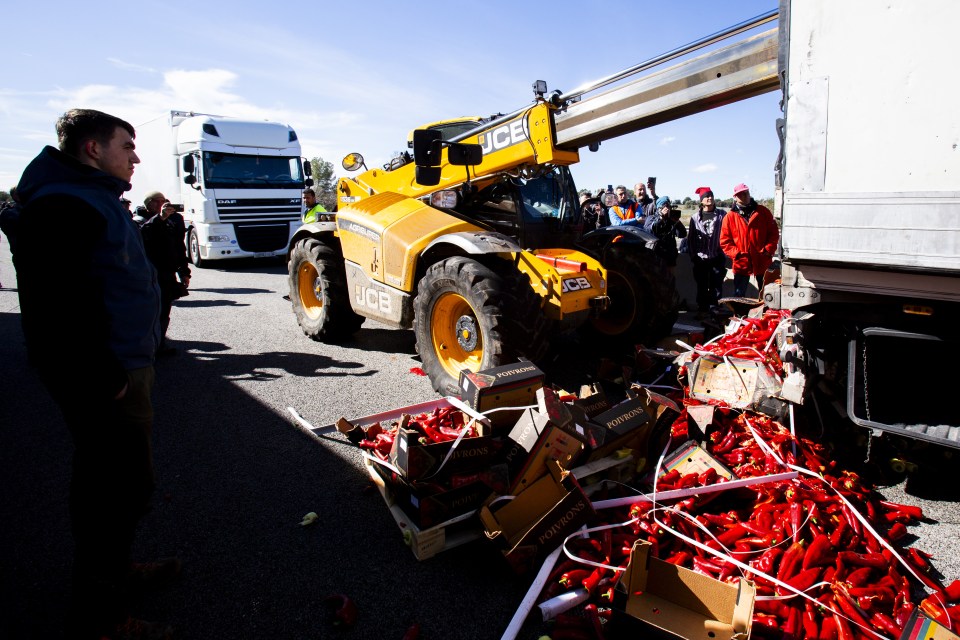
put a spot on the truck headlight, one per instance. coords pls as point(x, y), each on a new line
point(218, 238)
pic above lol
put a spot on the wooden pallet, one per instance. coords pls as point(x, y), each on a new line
point(426, 543)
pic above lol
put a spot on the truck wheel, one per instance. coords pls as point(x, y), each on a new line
point(644, 302)
point(318, 292)
point(473, 316)
point(193, 249)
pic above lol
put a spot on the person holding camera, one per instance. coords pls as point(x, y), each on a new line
point(163, 235)
point(665, 224)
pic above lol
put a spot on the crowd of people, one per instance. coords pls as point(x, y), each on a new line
point(743, 239)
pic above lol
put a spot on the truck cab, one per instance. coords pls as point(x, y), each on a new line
point(239, 181)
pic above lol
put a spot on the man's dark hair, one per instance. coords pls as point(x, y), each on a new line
point(310, 191)
point(79, 125)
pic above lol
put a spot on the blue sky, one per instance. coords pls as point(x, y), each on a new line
point(359, 76)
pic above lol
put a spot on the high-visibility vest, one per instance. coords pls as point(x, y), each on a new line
point(311, 215)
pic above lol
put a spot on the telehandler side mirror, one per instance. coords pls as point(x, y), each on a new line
point(426, 147)
point(463, 154)
point(426, 155)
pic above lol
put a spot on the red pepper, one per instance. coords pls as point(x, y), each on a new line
point(574, 577)
point(590, 582)
point(859, 577)
point(594, 615)
point(809, 621)
point(680, 558)
point(342, 608)
point(828, 629)
point(848, 605)
point(885, 624)
point(844, 632)
point(910, 512)
point(953, 591)
point(918, 559)
point(791, 561)
point(819, 553)
point(839, 533)
point(791, 625)
point(802, 581)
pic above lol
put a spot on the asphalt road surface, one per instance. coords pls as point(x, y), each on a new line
point(236, 475)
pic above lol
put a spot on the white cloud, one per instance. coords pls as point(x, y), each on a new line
point(667, 140)
point(130, 66)
point(705, 168)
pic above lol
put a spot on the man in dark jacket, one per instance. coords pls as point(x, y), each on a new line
point(92, 341)
point(163, 235)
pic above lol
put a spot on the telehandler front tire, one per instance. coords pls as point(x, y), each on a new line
point(318, 292)
point(469, 315)
point(644, 303)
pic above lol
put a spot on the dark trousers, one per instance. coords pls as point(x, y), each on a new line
point(742, 280)
point(110, 492)
point(166, 302)
point(709, 275)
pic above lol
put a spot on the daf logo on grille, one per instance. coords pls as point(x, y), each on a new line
point(226, 202)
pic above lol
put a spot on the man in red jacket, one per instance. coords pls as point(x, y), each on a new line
point(749, 237)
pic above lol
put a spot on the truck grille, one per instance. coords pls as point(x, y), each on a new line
point(260, 238)
point(258, 209)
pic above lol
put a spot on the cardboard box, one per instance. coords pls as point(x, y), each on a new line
point(921, 627)
point(625, 425)
point(656, 599)
point(418, 460)
point(512, 385)
point(430, 504)
point(744, 384)
point(538, 518)
point(690, 457)
point(533, 442)
point(426, 542)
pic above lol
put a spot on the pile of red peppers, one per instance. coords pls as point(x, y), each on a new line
point(825, 551)
point(443, 424)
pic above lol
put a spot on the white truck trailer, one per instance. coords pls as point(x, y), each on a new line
point(869, 199)
point(239, 181)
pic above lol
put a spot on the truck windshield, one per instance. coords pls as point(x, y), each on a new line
point(250, 172)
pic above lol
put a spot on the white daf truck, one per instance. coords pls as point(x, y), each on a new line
point(239, 181)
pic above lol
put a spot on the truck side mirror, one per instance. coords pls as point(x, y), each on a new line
point(190, 179)
point(188, 164)
point(307, 168)
point(308, 182)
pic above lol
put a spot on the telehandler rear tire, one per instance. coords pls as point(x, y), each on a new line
point(318, 292)
point(644, 303)
point(471, 315)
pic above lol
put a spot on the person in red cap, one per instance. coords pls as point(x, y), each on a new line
point(749, 236)
point(703, 246)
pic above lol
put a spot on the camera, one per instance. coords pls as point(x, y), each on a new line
point(176, 207)
point(674, 214)
point(651, 181)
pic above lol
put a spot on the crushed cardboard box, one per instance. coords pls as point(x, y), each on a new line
point(657, 599)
